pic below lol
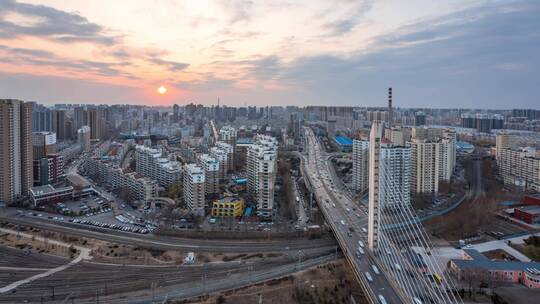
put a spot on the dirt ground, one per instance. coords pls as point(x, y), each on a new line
point(332, 283)
point(20, 242)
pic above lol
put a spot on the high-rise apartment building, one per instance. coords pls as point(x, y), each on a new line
point(151, 163)
point(42, 119)
point(420, 118)
point(229, 149)
point(16, 158)
point(432, 161)
point(92, 120)
point(43, 143)
point(211, 173)
point(60, 124)
point(49, 169)
point(398, 135)
point(360, 160)
point(194, 192)
point(389, 179)
point(503, 141)
point(228, 134)
point(222, 157)
point(518, 167)
point(83, 138)
point(261, 173)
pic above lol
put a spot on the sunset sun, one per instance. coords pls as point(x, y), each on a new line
point(162, 90)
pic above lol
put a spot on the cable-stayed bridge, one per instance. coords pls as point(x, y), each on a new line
point(400, 269)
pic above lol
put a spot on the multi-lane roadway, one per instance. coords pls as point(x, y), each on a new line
point(348, 221)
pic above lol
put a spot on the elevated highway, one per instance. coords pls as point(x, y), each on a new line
point(349, 224)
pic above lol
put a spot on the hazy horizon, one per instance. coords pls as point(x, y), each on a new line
point(443, 54)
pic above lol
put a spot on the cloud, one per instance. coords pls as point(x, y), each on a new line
point(53, 89)
point(353, 15)
point(238, 10)
point(52, 24)
point(209, 83)
point(172, 65)
point(24, 56)
point(481, 57)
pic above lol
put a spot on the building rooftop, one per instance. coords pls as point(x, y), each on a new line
point(244, 141)
point(475, 254)
point(47, 189)
point(481, 262)
point(229, 199)
point(344, 141)
point(534, 210)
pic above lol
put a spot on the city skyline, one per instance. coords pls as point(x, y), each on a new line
point(449, 54)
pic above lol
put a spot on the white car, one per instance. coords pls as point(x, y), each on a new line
point(361, 244)
point(375, 269)
point(342, 222)
point(368, 276)
point(360, 250)
point(364, 229)
point(417, 300)
point(382, 300)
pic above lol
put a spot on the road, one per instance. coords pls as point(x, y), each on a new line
point(348, 221)
point(164, 242)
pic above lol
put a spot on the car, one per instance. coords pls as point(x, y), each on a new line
point(333, 205)
point(368, 276)
point(398, 268)
point(382, 300)
point(417, 300)
point(364, 229)
point(348, 210)
point(342, 222)
point(360, 250)
point(361, 244)
point(375, 269)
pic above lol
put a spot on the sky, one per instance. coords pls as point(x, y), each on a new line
point(444, 53)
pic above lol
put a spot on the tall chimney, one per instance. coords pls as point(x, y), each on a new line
point(390, 111)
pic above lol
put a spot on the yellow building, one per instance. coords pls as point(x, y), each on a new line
point(228, 206)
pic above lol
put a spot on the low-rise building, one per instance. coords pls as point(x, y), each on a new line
point(133, 185)
point(528, 214)
point(229, 206)
point(343, 143)
point(476, 266)
point(46, 194)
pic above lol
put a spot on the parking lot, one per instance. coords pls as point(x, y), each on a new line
point(128, 221)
